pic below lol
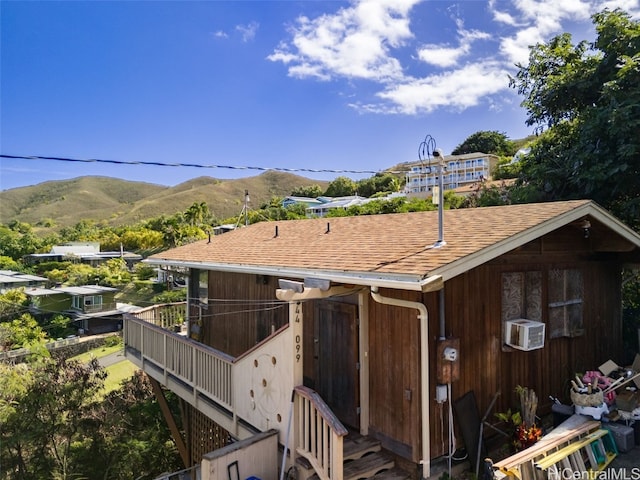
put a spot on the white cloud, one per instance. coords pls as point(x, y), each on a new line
point(249, 31)
point(536, 21)
point(444, 56)
point(369, 40)
point(220, 34)
point(457, 90)
point(355, 42)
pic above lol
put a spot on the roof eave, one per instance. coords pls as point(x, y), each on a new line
point(368, 279)
point(491, 252)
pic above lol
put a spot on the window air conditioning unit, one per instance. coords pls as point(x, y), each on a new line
point(524, 334)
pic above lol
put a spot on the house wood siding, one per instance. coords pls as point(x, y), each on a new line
point(237, 320)
point(473, 314)
point(394, 354)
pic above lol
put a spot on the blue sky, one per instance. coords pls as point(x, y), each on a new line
point(300, 85)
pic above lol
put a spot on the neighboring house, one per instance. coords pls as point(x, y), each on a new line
point(321, 206)
point(318, 327)
point(10, 280)
point(460, 170)
point(84, 252)
point(93, 308)
point(343, 203)
point(306, 201)
point(48, 300)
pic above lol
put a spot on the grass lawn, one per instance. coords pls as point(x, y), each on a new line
point(97, 353)
point(116, 373)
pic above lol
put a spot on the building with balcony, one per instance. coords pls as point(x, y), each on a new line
point(93, 308)
point(459, 171)
point(346, 346)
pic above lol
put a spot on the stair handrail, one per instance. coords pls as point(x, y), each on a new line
point(319, 434)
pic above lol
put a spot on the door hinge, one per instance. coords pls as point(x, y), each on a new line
point(358, 410)
point(357, 365)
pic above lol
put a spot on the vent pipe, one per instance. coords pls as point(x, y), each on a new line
point(276, 234)
point(438, 153)
point(328, 228)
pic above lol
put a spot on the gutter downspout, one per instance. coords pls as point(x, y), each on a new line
point(423, 316)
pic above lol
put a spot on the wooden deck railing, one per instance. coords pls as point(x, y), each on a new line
point(201, 368)
point(319, 434)
point(166, 315)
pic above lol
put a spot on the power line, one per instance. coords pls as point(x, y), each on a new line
point(191, 165)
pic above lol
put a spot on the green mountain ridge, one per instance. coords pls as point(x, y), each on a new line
point(64, 203)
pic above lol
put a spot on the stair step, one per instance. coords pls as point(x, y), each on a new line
point(358, 447)
point(367, 466)
point(392, 474)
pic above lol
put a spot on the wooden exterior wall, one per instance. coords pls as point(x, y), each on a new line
point(242, 311)
point(473, 314)
point(240, 315)
point(394, 387)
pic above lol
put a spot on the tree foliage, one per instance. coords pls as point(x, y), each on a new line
point(55, 424)
point(381, 183)
point(486, 141)
point(309, 191)
point(12, 303)
point(341, 187)
point(585, 101)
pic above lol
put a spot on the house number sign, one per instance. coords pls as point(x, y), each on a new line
point(298, 332)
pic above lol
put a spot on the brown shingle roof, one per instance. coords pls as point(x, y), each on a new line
point(395, 246)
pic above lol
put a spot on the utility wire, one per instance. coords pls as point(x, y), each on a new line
point(192, 165)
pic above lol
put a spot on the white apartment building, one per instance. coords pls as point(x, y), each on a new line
point(459, 170)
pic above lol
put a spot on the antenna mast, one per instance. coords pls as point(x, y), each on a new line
point(426, 149)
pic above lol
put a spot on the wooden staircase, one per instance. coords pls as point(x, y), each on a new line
point(363, 459)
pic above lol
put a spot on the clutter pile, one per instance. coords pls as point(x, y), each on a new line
point(610, 394)
point(603, 421)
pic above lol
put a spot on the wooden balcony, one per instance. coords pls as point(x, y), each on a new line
point(245, 395)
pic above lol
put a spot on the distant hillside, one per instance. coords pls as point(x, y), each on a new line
point(121, 202)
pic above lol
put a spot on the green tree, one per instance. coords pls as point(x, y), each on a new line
point(81, 274)
point(144, 271)
point(309, 191)
point(83, 231)
point(485, 141)
point(8, 263)
point(17, 240)
point(128, 438)
point(197, 214)
point(12, 303)
point(379, 183)
point(341, 187)
point(44, 423)
point(22, 332)
point(113, 272)
point(584, 100)
point(58, 326)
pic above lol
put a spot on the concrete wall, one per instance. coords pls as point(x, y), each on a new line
point(256, 457)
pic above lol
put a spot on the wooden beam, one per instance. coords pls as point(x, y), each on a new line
point(168, 416)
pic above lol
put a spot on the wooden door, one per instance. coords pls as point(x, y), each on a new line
point(336, 363)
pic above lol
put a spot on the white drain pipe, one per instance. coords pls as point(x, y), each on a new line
point(423, 316)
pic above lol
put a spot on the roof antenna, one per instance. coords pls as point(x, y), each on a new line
point(425, 150)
